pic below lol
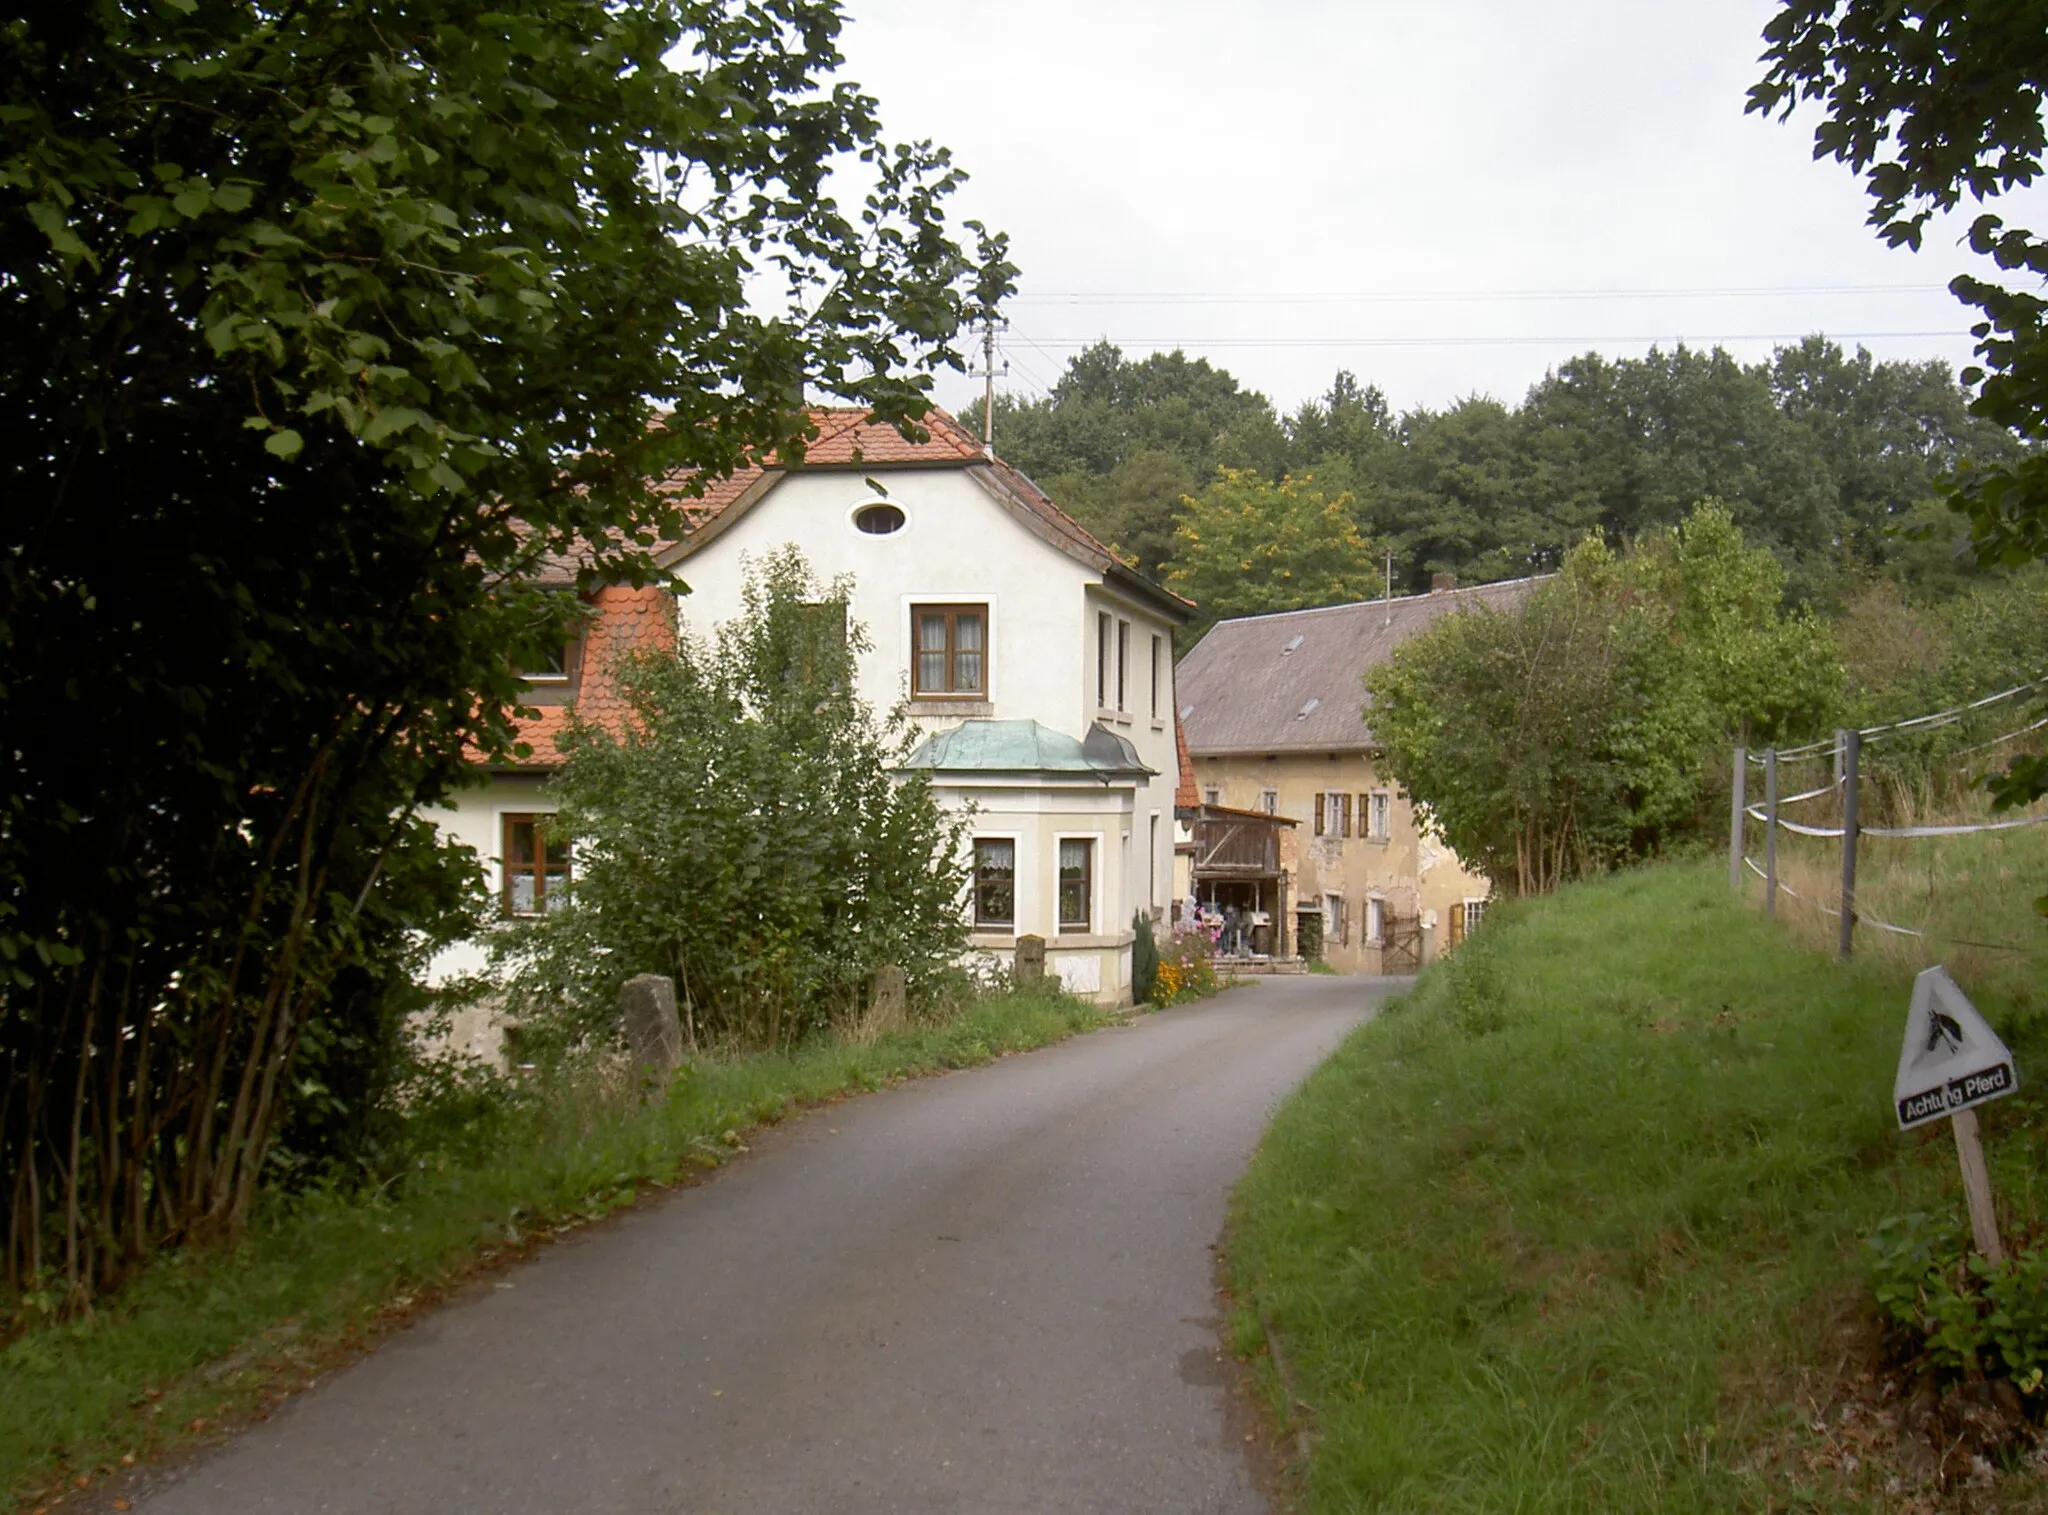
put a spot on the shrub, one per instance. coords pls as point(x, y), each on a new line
point(750, 835)
point(1144, 958)
point(1960, 1313)
point(1185, 971)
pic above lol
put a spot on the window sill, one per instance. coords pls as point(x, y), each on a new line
point(1158, 725)
point(960, 707)
point(1083, 939)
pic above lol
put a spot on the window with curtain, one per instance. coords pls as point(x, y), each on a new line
point(536, 865)
point(1077, 883)
point(951, 660)
point(995, 882)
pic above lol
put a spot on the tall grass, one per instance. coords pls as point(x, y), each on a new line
point(206, 1333)
point(1972, 896)
point(1563, 1230)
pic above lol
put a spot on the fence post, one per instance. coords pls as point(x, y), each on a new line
point(1852, 752)
point(1771, 833)
point(1735, 817)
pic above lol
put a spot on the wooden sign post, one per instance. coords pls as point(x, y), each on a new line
point(1953, 1062)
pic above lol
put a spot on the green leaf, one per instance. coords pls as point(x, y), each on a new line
point(284, 443)
point(51, 222)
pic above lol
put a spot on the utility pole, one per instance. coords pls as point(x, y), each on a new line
point(990, 324)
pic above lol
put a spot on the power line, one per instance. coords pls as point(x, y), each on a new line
point(1417, 297)
point(1044, 344)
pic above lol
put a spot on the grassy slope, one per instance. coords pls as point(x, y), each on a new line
point(205, 1333)
point(1558, 1231)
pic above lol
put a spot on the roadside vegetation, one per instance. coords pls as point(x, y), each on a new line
point(1582, 1223)
point(204, 1336)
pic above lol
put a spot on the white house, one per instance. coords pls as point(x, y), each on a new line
point(1037, 664)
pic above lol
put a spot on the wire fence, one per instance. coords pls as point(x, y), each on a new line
point(1844, 749)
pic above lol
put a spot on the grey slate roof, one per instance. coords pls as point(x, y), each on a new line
point(1292, 681)
point(1026, 747)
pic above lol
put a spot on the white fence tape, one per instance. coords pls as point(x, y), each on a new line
point(2030, 820)
point(1757, 811)
point(1942, 717)
point(1997, 740)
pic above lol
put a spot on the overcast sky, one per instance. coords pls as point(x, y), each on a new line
point(1443, 196)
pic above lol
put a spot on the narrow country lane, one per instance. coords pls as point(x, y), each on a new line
point(981, 1293)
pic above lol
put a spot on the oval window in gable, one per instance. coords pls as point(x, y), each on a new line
point(878, 518)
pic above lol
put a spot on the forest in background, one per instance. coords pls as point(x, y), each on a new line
point(1830, 458)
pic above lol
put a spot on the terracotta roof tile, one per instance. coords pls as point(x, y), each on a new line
point(623, 619)
point(844, 438)
point(1185, 795)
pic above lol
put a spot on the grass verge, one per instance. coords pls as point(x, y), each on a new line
point(1574, 1225)
point(207, 1335)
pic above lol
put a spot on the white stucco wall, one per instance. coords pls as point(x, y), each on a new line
point(959, 546)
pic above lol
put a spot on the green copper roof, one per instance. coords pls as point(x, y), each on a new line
point(1026, 747)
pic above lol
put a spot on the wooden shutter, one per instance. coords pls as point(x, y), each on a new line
point(1365, 815)
point(1319, 813)
point(1457, 924)
point(1345, 801)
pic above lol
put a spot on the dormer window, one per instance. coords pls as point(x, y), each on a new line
point(547, 666)
point(549, 672)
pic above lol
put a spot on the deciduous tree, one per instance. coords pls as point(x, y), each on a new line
point(1246, 545)
point(322, 326)
point(1578, 728)
point(745, 835)
point(1934, 102)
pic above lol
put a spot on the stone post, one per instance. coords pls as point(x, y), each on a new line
point(647, 1005)
point(888, 1000)
point(1030, 959)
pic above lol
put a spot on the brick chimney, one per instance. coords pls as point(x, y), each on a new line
point(1440, 583)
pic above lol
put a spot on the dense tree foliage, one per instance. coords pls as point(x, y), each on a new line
point(320, 327)
point(1822, 455)
point(1246, 545)
point(1582, 727)
point(744, 836)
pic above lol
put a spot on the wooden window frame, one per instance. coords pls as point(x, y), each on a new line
point(539, 869)
point(991, 922)
point(1123, 666)
point(1157, 641)
point(953, 651)
point(1086, 923)
point(1367, 808)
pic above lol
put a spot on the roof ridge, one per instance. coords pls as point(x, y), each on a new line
point(1399, 599)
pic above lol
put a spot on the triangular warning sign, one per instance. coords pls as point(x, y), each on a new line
point(1952, 1058)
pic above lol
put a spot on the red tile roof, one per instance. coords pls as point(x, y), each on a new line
point(843, 438)
point(623, 619)
point(1185, 796)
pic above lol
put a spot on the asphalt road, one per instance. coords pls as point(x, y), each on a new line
point(982, 1293)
